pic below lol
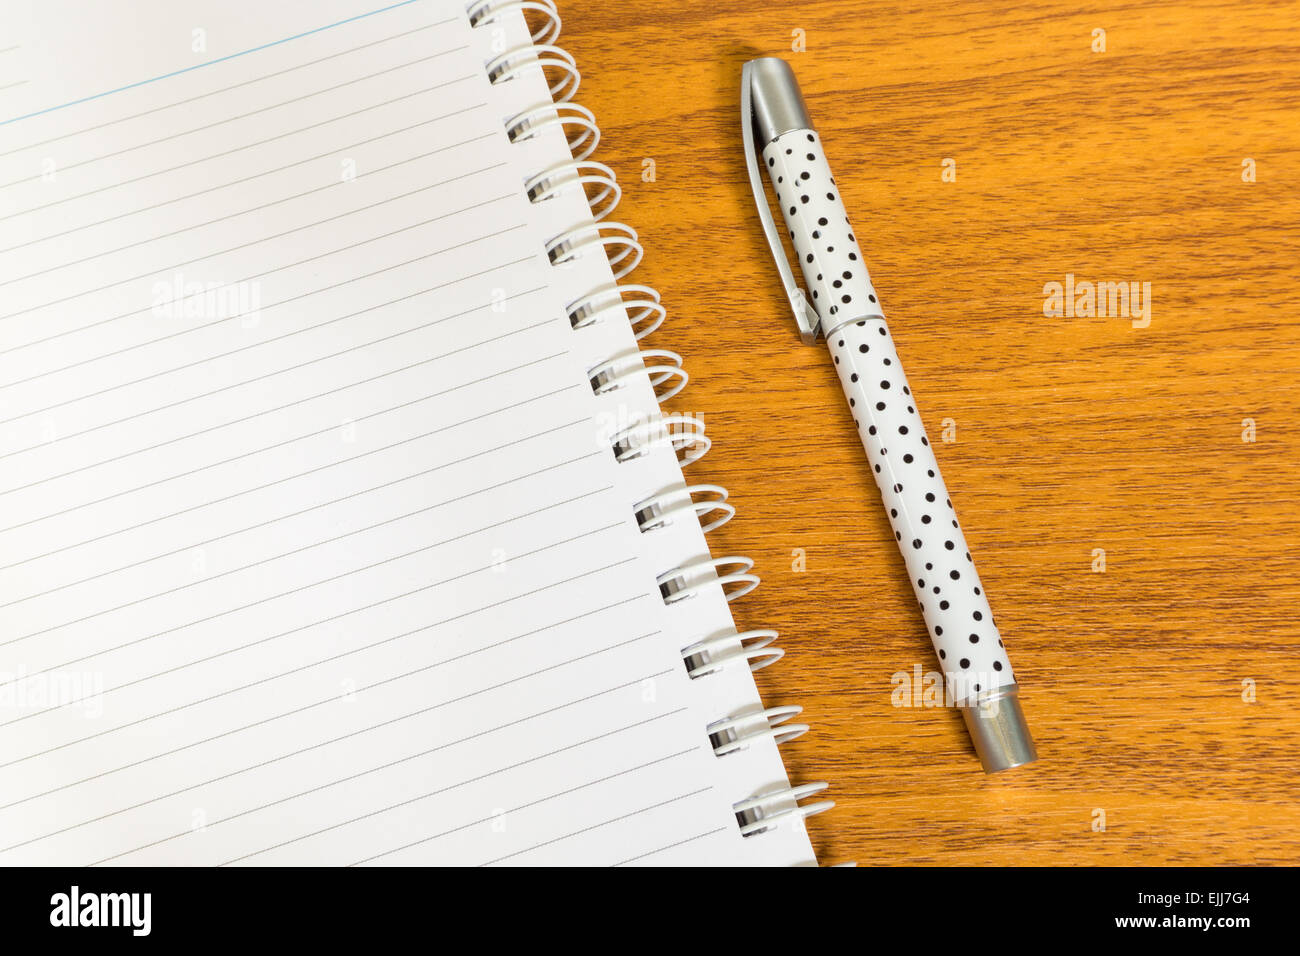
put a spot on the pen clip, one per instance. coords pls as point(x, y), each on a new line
point(807, 321)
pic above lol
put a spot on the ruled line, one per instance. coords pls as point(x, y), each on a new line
point(298, 590)
point(319, 468)
point(200, 66)
point(260, 109)
point(487, 819)
point(190, 229)
point(246, 179)
point(279, 481)
point(671, 846)
point(225, 89)
point(328, 464)
point(356, 733)
point(498, 337)
point(232, 151)
point(433, 793)
point(272, 305)
point(289, 441)
point(297, 514)
point(279, 408)
point(247, 278)
point(441, 790)
point(333, 698)
point(304, 667)
point(492, 773)
point(282, 371)
point(290, 553)
point(301, 331)
point(603, 823)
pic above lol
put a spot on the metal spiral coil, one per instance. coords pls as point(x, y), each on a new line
point(770, 809)
point(582, 142)
point(704, 500)
point(581, 175)
point(714, 653)
point(662, 369)
point(737, 733)
point(730, 573)
point(640, 306)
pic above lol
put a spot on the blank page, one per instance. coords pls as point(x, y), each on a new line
point(313, 549)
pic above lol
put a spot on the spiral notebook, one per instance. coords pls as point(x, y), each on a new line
point(340, 521)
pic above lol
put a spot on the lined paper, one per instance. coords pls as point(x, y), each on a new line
point(310, 551)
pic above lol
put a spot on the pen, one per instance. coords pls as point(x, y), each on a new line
point(845, 310)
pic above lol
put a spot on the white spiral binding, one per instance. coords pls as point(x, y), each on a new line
point(640, 302)
point(663, 368)
point(580, 174)
point(487, 11)
point(529, 123)
point(730, 573)
point(545, 56)
point(620, 241)
point(714, 653)
point(682, 434)
point(737, 733)
point(768, 810)
point(659, 510)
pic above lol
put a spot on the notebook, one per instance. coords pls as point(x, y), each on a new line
point(340, 519)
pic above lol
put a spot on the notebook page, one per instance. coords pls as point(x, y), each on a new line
point(310, 549)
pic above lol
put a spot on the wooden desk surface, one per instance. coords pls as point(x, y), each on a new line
point(1073, 434)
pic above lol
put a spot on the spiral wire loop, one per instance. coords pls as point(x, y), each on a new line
point(619, 241)
point(768, 810)
point(737, 733)
point(660, 367)
point(546, 57)
point(684, 434)
point(713, 654)
point(639, 302)
point(577, 174)
point(730, 573)
point(582, 143)
point(660, 509)
point(489, 11)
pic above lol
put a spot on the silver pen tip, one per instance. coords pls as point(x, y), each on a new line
point(998, 729)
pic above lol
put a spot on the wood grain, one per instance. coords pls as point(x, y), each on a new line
point(1073, 434)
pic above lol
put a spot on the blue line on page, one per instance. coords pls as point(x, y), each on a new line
point(199, 66)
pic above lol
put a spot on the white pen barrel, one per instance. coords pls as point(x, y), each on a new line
point(819, 228)
point(921, 513)
point(925, 525)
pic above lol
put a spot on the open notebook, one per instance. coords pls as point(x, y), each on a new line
point(339, 522)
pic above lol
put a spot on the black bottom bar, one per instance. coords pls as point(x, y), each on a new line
point(954, 907)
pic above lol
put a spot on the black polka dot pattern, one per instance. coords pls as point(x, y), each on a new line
point(902, 461)
point(824, 243)
point(921, 515)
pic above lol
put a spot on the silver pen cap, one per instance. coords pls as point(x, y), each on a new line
point(778, 105)
point(770, 105)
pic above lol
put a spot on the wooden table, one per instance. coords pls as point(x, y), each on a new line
point(1075, 435)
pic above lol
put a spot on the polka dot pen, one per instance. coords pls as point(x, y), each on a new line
point(843, 308)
